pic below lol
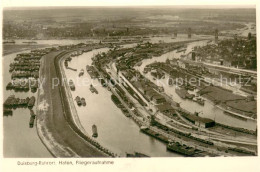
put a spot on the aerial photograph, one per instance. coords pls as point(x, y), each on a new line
point(168, 81)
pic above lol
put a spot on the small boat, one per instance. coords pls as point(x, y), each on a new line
point(81, 73)
point(72, 86)
point(31, 102)
point(31, 122)
point(93, 89)
point(83, 101)
point(78, 100)
point(94, 131)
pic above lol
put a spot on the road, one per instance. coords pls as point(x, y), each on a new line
point(56, 127)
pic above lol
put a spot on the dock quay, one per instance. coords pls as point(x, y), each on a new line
point(62, 124)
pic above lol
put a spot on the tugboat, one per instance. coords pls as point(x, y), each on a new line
point(94, 131)
point(81, 73)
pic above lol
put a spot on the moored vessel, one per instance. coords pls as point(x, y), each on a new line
point(94, 131)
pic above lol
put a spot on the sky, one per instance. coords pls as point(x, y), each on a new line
point(26, 3)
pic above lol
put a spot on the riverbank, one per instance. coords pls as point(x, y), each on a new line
point(10, 49)
point(54, 122)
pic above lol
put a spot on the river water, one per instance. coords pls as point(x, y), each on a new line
point(115, 131)
point(19, 139)
point(208, 110)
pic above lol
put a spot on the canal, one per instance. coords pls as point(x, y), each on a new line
point(116, 132)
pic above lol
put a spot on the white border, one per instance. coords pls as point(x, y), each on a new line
point(230, 164)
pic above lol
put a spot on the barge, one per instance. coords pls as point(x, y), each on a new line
point(78, 100)
point(71, 85)
point(182, 149)
point(31, 102)
point(94, 131)
point(7, 112)
point(93, 89)
point(136, 155)
point(31, 122)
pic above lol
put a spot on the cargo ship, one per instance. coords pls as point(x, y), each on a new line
point(94, 131)
point(78, 100)
point(72, 86)
point(93, 89)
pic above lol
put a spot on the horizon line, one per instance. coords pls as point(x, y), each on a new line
point(137, 6)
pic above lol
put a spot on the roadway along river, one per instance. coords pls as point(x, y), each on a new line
point(115, 131)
